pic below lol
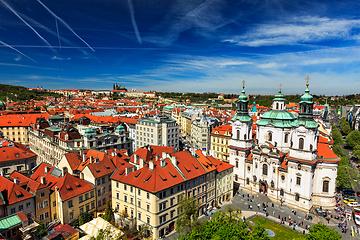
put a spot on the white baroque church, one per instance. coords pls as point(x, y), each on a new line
point(288, 159)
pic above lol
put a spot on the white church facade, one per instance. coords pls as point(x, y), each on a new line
point(288, 159)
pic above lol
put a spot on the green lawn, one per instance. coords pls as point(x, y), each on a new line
point(281, 232)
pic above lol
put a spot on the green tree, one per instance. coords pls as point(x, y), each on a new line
point(189, 213)
point(353, 139)
point(320, 231)
point(109, 214)
point(106, 234)
point(356, 150)
point(41, 229)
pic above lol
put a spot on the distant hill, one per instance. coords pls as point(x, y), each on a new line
point(19, 93)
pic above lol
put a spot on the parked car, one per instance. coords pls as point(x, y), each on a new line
point(349, 200)
point(346, 197)
point(353, 204)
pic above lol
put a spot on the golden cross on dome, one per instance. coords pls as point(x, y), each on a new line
point(307, 81)
point(280, 86)
point(243, 83)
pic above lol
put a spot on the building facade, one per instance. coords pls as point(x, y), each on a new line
point(201, 128)
point(220, 140)
point(288, 160)
point(161, 131)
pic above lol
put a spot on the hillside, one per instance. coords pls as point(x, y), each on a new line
point(19, 93)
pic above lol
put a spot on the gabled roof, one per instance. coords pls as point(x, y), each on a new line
point(29, 184)
point(155, 180)
point(12, 192)
point(220, 165)
point(14, 151)
point(151, 152)
point(188, 165)
point(205, 162)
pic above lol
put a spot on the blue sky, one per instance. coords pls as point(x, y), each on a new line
point(181, 45)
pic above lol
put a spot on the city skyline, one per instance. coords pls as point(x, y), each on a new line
point(182, 46)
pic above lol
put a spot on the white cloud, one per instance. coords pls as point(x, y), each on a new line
point(296, 31)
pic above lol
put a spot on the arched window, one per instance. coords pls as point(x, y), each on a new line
point(281, 192)
point(270, 136)
point(277, 105)
point(311, 147)
point(238, 134)
point(265, 169)
point(297, 197)
point(301, 143)
point(244, 136)
point(247, 181)
point(326, 186)
point(286, 137)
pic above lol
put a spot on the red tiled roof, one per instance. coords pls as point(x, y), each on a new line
point(62, 232)
point(22, 216)
point(14, 193)
point(29, 184)
point(205, 162)
point(17, 152)
point(220, 165)
point(188, 165)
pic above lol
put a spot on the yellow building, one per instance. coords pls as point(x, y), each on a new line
point(71, 196)
point(220, 139)
point(152, 193)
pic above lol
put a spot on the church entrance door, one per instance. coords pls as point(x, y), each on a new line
point(263, 187)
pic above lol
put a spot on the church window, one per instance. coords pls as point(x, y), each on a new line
point(265, 169)
point(274, 170)
point(298, 180)
point(311, 147)
point(238, 134)
point(244, 136)
point(297, 197)
point(283, 177)
point(326, 186)
point(286, 137)
point(281, 192)
point(247, 181)
point(277, 105)
point(270, 136)
point(236, 177)
point(301, 143)
point(255, 178)
point(249, 168)
point(237, 164)
point(255, 165)
point(272, 184)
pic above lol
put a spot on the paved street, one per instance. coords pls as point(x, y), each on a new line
point(243, 202)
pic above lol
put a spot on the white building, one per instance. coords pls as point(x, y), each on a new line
point(288, 160)
point(159, 131)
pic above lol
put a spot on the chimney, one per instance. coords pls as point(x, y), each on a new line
point(127, 170)
point(151, 165)
point(113, 154)
point(174, 161)
point(157, 158)
point(107, 152)
point(64, 170)
point(16, 181)
point(91, 159)
point(142, 163)
point(84, 157)
point(43, 180)
point(2, 173)
point(115, 150)
point(46, 170)
point(82, 176)
point(135, 159)
point(97, 160)
point(163, 155)
point(163, 162)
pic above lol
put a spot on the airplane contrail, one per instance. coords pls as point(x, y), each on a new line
point(131, 9)
point(7, 45)
point(27, 24)
point(57, 30)
point(65, 24)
